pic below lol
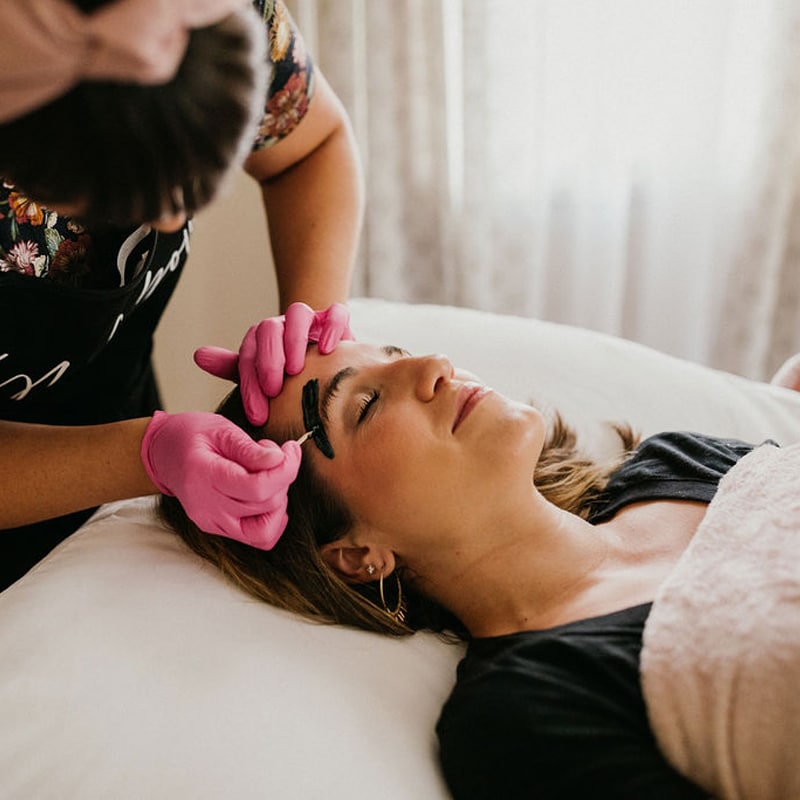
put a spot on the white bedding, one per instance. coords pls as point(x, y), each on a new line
point(130, 669)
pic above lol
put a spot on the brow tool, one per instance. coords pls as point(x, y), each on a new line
point(306, 436)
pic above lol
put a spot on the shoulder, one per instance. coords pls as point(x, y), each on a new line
point(679, 465)
point(680, 446)
point(680, 456)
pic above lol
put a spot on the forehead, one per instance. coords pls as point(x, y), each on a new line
point(286, 408)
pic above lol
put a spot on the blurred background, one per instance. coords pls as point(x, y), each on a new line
point(629, 166)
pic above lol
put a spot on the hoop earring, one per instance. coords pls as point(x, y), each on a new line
point(398, 614)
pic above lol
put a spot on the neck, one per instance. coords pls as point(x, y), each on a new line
point(532, 573)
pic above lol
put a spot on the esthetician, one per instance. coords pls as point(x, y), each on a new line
point(118, 121)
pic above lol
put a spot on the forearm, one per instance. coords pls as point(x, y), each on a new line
point(314, 210)
point(47, 471)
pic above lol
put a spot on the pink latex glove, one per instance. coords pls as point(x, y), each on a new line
point(273, 347)
point(227, 483)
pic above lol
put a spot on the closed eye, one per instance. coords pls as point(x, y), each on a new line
point(366, 404)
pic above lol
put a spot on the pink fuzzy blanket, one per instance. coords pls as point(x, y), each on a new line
point(721, 655)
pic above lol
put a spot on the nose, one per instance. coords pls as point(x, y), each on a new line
point(433, 372)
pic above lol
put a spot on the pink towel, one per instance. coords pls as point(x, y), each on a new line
point(721, 656)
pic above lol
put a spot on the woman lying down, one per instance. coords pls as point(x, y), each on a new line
point(425, 500)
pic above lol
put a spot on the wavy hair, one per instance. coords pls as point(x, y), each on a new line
point(295, 577)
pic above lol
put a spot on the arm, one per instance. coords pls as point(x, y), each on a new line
point(50, 470)
point(313, 196)
point(306, 162)
point(228, 483)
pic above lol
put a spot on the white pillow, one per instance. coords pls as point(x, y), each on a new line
point(131, 669)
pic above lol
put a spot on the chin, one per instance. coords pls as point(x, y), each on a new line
point(531, 420)
point(533, 432)
point(519, 439)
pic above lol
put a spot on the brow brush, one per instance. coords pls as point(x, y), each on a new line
point(306, 436)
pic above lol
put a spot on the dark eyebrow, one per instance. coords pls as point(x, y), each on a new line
point(330, 389)
point(332, 386)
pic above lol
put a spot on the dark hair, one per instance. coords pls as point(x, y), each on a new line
point(126, 153)
point(294, 576)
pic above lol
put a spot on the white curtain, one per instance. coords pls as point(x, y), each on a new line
point(630, 166)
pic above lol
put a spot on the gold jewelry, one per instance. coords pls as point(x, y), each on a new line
point(398, 614)
point(370, 569)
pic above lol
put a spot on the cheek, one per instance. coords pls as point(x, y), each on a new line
point(391, 459)
point(401, 466)
point(388, 474)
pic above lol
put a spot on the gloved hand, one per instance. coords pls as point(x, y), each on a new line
point(272, 347)
point(227, 483)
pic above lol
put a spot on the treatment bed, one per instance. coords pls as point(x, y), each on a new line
point(131, 669)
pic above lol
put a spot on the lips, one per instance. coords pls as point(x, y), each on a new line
point(469, 395)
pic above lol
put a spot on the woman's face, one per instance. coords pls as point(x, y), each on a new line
point(420, 447)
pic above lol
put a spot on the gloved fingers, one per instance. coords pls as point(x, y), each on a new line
point(235, 445)
point(296, 335)
point(330, 327)
point(259, 524)
point(234, 481)
point(278, 478)
point(233, 508)
point(293, 453)
point(220, 524)
point(264, 530)
point(276, 481)
point(255, 404)
point(218, 361)
point(270, 357)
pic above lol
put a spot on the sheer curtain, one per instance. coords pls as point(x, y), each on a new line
point(625, 165)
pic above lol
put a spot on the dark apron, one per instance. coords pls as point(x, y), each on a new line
point(73, 356)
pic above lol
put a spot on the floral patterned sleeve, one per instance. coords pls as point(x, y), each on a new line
point(292, 83)
point(41, 243)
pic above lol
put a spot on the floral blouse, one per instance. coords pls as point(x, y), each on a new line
point(37, 242)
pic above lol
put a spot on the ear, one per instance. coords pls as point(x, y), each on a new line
point(358, 564)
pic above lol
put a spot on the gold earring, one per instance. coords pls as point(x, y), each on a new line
point(398, 614)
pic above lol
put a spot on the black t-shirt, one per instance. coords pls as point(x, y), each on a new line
point(559, 713)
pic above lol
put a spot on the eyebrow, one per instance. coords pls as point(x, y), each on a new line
point(330, 389)
point(332, 386)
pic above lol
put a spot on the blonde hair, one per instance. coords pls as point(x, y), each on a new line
point(294, 576)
